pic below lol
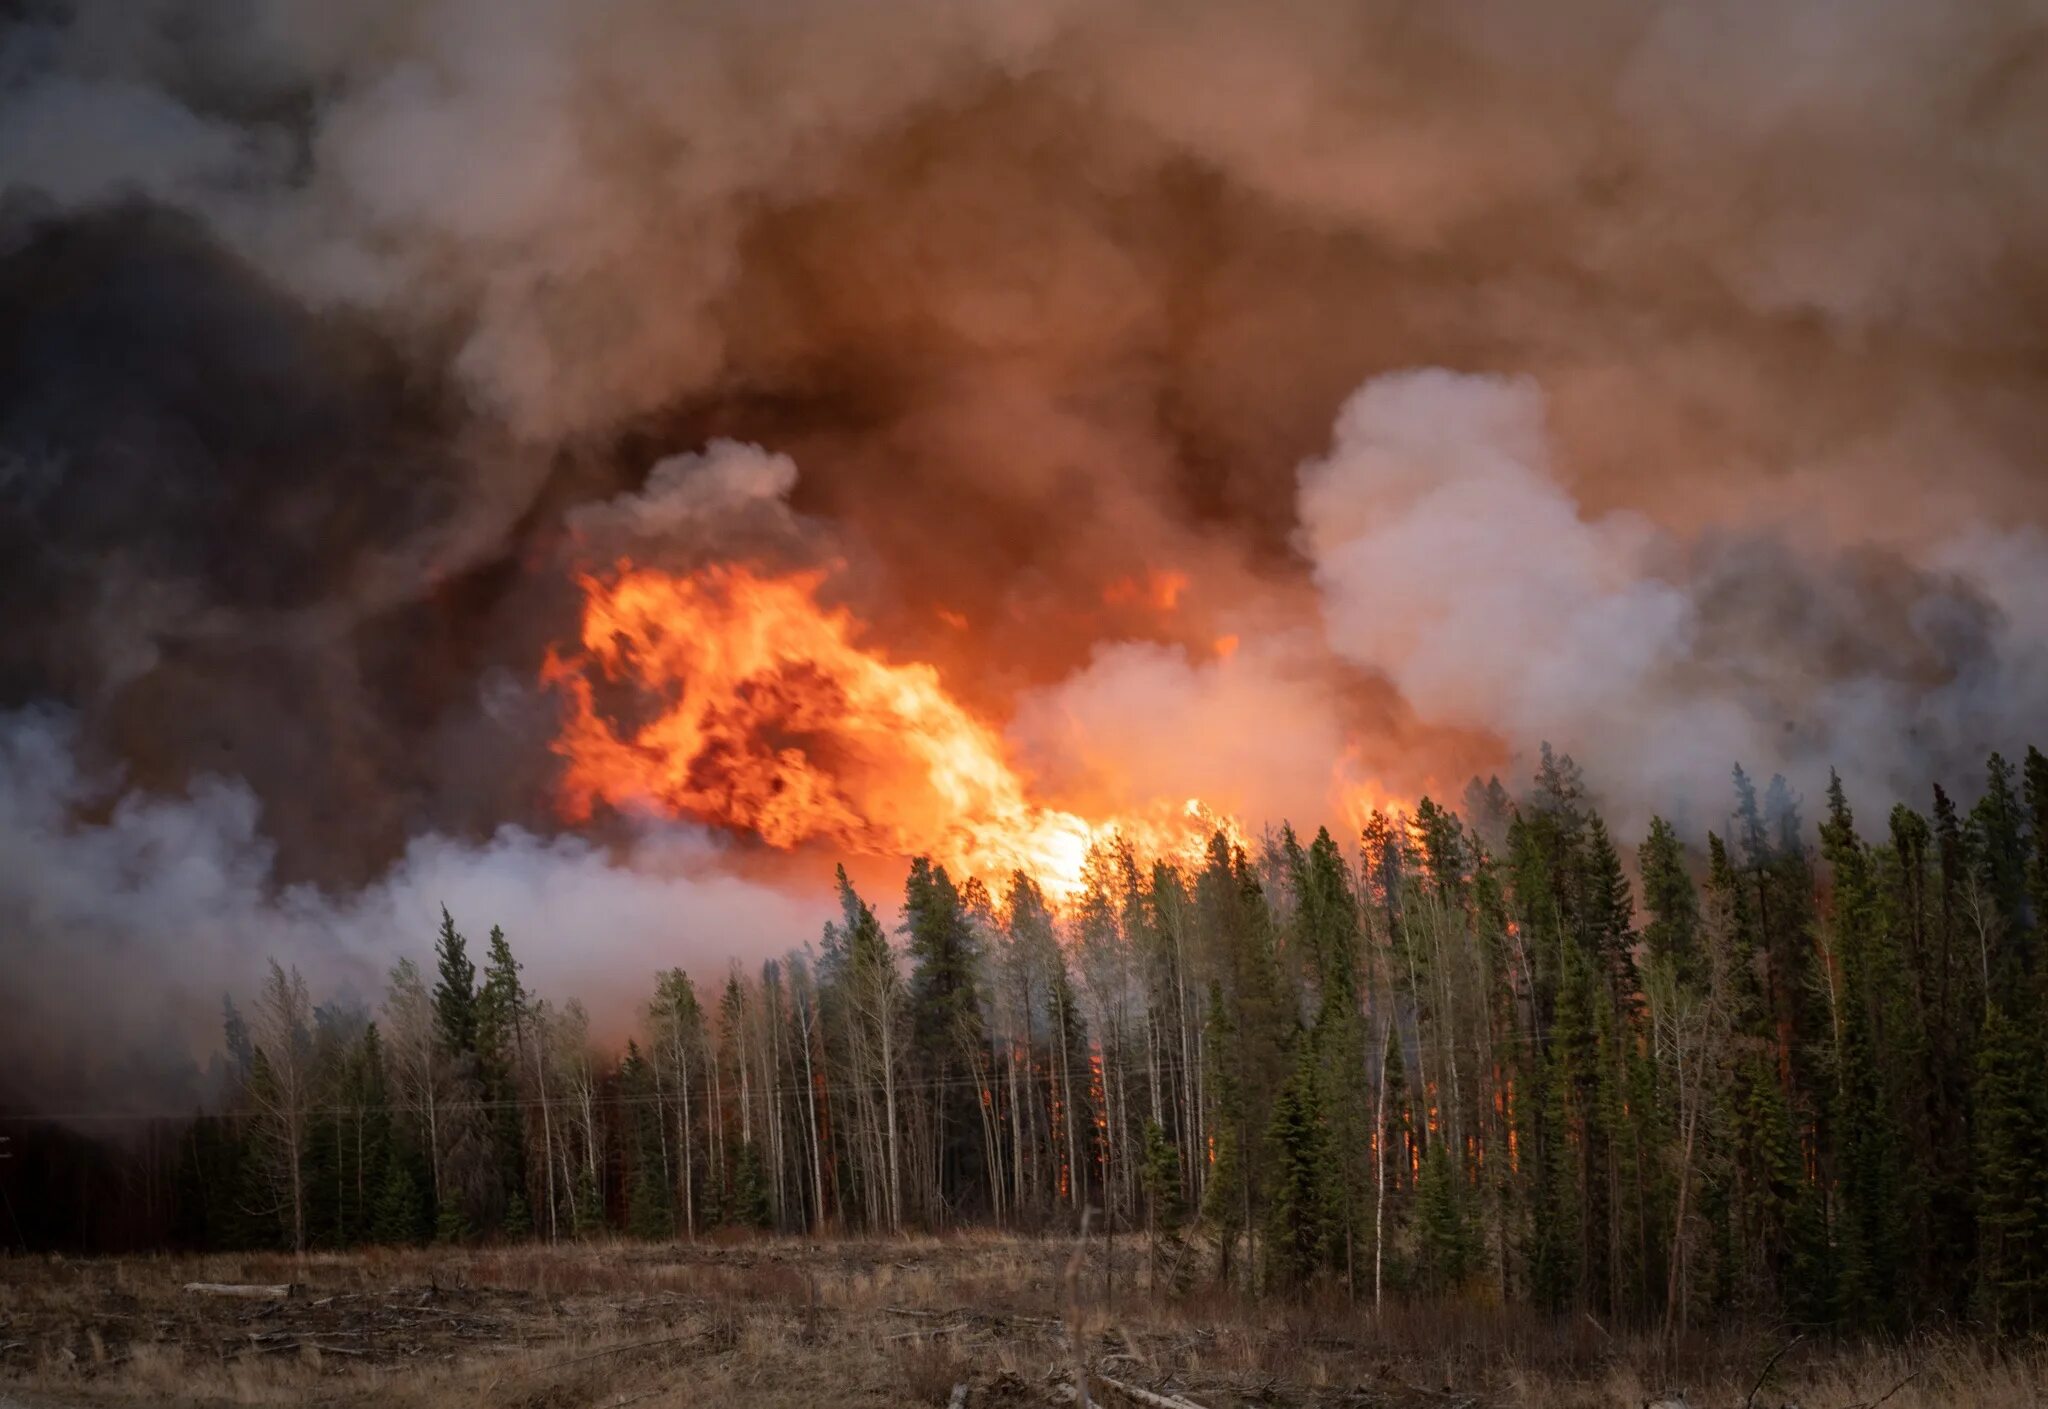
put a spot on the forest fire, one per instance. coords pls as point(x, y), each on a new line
point(734, 696)
point(1401, 645)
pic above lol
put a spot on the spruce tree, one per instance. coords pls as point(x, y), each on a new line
point(1326, 922)
point(590, 1212)
point(1163, 1207)
point(751, 1206)
point(1162, 1179)
point(2034, 782)
point(1226, 1195)
point(1394, 1173)
point(455, 1015)
point(946, 1029)
point(650, 1206)
point(401, 1208)
point(1447, 1249)
point(1299, 1202)
point(500, 1023)
point(1870, 1236)
point(1998, 830)
point(1673, 933)
point(2012, 1173)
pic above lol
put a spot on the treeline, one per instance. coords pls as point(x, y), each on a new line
point(1454, 1055)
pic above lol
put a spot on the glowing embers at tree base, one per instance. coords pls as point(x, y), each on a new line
point(734, 696)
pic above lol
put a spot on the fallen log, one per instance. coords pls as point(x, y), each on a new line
point(1149, 1398)
point(932, 1331)
point(251, 1290)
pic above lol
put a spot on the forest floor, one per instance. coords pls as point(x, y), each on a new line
point(907, 1322)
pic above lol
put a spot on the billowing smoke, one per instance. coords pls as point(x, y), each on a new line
point(1451, 560)
point(1274, 402)
point(127, 914)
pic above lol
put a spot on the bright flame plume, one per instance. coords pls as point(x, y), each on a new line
point(734, 696)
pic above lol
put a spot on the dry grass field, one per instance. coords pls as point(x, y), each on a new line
point(798, 1323)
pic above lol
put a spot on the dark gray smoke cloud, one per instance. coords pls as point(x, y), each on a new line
point(1684, 363)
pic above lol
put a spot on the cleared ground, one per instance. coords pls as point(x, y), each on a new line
point(1014, 1321)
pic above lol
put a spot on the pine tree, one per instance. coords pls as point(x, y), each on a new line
point(1606, 909)
point(946, 1026)
point(401, 1208)
point(1870, 1234)
point(1553, 1253)
point(2012, 1172)
point(1162, 1179)
point(1226, 1194)
point(1673, 933)
point(1447, 1249)
point(1163, 1207)
point(1391, 1174)
point(1326, 923)
point(467, 1193)
point(451, 1223)
point(751, 1207)
point(650, 1209)
point(1997, 828)
point(500, 1026)
point(1299, 1202)
point(1234, 927)
point(455, 1015)
point(2034, 780)
point(589, 1203)
point(873, 994)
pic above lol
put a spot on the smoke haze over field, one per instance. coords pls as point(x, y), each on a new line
point(1257, 402)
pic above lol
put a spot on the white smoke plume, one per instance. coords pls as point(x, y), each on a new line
point(1452, 560)
point(130, 917)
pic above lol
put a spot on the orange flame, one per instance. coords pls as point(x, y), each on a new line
point(735, 697)
point(1159, 589)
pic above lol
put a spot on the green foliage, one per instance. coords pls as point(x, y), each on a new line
point(455, 1008)
point(650, 1209)
point(2012, 1171)
point(751, 1207)
point(1298, 1208)
point(1162, 1179)
point(1820, 1098)
point(1449, 1245)
point(945, 1013)
point(400, 1215)
point(1672, 904)
point(589, 1220)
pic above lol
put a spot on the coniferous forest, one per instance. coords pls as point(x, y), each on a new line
point(1794, 1070)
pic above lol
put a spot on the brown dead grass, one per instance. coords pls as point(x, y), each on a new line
point(801, 1323)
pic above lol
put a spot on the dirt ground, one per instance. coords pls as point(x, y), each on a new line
point(855, 1323)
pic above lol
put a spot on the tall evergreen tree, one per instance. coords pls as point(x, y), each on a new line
point(1300, 1204)
point(1669, 899)
point(946, 1026)
point(2012, 1172)
point(455, 1009)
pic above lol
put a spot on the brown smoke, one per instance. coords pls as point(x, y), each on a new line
point(1663, 380)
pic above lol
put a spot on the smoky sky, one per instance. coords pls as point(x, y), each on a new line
point(1662, 380)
